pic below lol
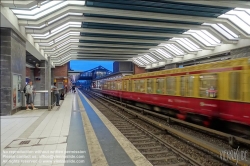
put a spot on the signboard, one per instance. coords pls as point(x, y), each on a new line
point(16, 91)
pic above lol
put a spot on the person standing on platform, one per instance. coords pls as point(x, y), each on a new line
point(56, 92)
point(29, 96)
point(66, 89)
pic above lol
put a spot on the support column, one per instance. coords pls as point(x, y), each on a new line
point(48, 85)
point(13, 71)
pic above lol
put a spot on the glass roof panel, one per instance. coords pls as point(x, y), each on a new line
point(142, 59)
point(150, 58)
point(164, 53)
point(237, 21)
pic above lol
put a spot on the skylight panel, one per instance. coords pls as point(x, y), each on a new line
point(138, 62)
point(67, 25)
point(223, 30)
point(238, 22)
point(49, 10)
point(206, 43)
point(228, 30)
point(177, 48)
point(205, 38)
point(217, 41)
point(142, 59)
point(67, 14)
point(36, 10)
point(57, 30)
point(68, 41)
point(241, 14)
point(66, 35)
point(164, 53)
point(150, 58)
point(173, 49)
point(157, 56)
point(187, 44)
point(246, 10)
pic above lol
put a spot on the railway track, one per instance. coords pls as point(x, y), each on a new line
point(157, 145)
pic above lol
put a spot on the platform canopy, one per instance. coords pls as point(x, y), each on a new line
point(148, 32)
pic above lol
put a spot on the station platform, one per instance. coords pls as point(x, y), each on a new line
point(76, 133)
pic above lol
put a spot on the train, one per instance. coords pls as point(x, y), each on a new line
point(204, 93)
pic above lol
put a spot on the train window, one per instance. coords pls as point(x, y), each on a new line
point(190, 86)
point(125, 85)
point(171, 86)
point(183, 85)
point(234, 86)
point(208, 85)
point(141, 86)
point(130, 86)
point(160, 85)
point(150, 86)
point(112, 85)
point(137, 85)
point(119, 85)
point(109, 85)
point(105, 85)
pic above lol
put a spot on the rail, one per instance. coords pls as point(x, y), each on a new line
point(204, 144)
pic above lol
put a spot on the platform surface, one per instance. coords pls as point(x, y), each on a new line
point(76, 133)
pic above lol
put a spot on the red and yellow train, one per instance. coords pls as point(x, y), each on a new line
point(218, 90)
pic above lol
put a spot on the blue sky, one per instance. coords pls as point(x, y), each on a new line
point(85, 65)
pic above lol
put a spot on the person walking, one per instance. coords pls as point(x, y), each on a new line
point(56, 92)
point(29, 96)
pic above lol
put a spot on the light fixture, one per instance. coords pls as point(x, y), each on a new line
point(38, 4)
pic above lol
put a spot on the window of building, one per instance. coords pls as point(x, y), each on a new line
point(160, 85)
point(171, 86)
point(234, 85)
point(150, 86)
point(208, 85)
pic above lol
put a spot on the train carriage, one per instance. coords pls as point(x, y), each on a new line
point(218, 90)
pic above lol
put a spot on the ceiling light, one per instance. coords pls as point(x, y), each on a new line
point(39, 4)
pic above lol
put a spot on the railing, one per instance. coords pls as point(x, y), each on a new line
point(41, 98)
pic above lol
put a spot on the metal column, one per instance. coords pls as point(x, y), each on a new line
point(49, 84)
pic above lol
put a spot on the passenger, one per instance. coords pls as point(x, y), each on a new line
point(29, 96)
point(62, 96)
point(56, 92)
point(74, 89)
